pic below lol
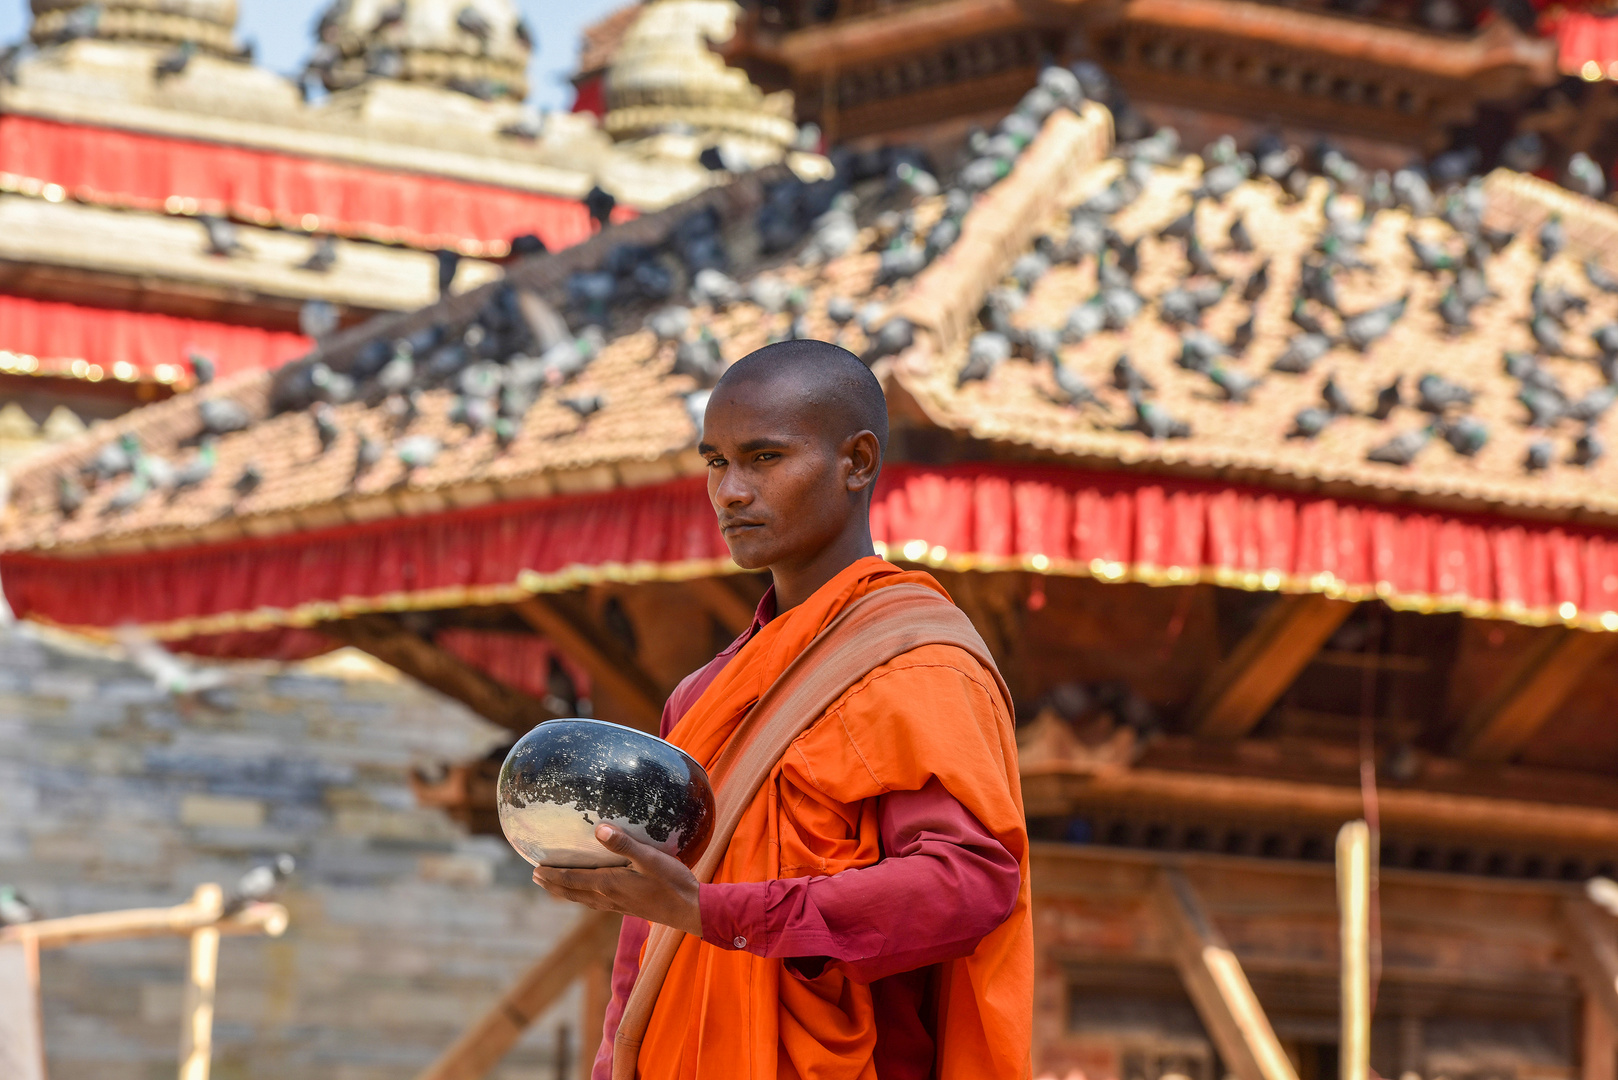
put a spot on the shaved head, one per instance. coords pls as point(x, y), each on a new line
point(794, 437)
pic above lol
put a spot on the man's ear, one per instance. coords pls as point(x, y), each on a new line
point(864, 456)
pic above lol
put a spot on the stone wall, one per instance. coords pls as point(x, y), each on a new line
point(114, 795)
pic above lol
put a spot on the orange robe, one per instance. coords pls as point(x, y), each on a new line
point(933, 713)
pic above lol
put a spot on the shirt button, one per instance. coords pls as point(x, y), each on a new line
point(740, 942)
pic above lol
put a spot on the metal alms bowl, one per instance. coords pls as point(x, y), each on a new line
point(565, 777)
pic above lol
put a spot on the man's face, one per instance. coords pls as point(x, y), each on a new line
point(778, 480)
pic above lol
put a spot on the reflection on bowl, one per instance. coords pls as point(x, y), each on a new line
point(565, 777)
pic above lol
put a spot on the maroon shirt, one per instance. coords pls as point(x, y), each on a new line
point(942, 885)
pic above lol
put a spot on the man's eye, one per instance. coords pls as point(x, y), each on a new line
point(716, 462)
point(768, 455)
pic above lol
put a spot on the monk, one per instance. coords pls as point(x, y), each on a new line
point(870, 917)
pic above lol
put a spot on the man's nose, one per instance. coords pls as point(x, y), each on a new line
point(732, 489)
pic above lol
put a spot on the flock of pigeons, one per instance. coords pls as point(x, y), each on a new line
point(1321, 321)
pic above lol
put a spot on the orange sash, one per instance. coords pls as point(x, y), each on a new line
point(933, 713)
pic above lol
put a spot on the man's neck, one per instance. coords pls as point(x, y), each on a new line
point(797, 582)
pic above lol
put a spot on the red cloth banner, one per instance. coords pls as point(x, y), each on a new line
point(57, 333)
point(112, 167)
point(1112, 526)
point(1583, 38)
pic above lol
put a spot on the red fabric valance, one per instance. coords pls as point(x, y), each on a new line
point(57, 333)
point(1112, 526)
point(1583, 38)
point(112, 167)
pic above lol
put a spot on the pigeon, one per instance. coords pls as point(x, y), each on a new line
point(840, 310)
point(1594, 405)
point(1183, 227)
point(600, 203)
point(696, 407)
point(898, 263)
point(1606, 338)
point(1471, 287)
point(248, 480)
point(1240, 238)
point(1431, 258)
point(1410, 189)
point(1600, 276)
point(203, 368)
point(1041, 344)
point(1084, 321)
point(1242, 336)
point(323, 255)
point(1208, 293)
point(1178, 307)
point(1085, 239)
point(1539, 455)
point(1309, 423)
point(1258, 283)
point(1584, 176)
point(1519, 364)
point(1555, 301)
point(70, 494)
point(1552, 238)
point(1199, 350)
point(1496, 240)
point(260, 883)
point(200, 467)
point(1388, 398)
point(1155, 423)
point(700, 359)
point(1548, 333)
point(1334, 397)
point(1029, 268)
point(156, 471)
point(1276, 164)
point(1401, 449)
point(15, 908)
point(1128, 255)
point(1301, 353)
point(1126, 377)
point(1587, 448)
point(417, 451)
point(222, 236)
point(318, 318)
point(331, 386)
point(1317, 283)
point(1436, 393)
point(1199, 260)
point(1220, 181)
point(475, 413)
point(129, 495)
point(326, 428)
point(1159, 148)
point(1120, 307)
point(1074, 389)
point(985, 352)
point(1544, 407)
point(391, 15)
point(1109, 275)
point(221, 416)
point(713, 288)
point(1455, 314)
point(894, 336)
point(367, 454)
point(584, 406)
point(1304, 319)
point(1364, 329)
point(115, 458)
point(1237, 385)
point(1466, 435)
point(399, 372)
point(175, 61)
point(474, 22)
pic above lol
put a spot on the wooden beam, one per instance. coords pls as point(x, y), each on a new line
point(1592, 949)
point(1354, 914)
point(1218, 987)
point(181, 919)
point(1600, 1057)
point(1265, 663)
point(482, 1045)
point(610, 667)
point(440, 669)
point(1530, 692)
point(22, 1042)
point(202, 979)
point(724, 603)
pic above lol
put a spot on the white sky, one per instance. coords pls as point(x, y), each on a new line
point(283, 28)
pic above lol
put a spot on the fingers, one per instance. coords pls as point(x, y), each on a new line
point(619, 842)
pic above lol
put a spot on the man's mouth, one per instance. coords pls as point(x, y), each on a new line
point(730, 528)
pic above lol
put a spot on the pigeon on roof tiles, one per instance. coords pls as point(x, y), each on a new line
point(128, 496)
point(585, 405)
point(601, 204)
point(203, 368)
point(1109, 275)
point(1041, 344)
point(398, 373)
point(897, 263)
point(1158, 148)
point(1029, 268)
point(224, 239)
point(248, 480)
point(986, 352)
point(1242, 336)
point(1178, 307)
point(1199, 350)
point(1208, 293)
point(331, 386)
point(1472, 287)
point(1237, 385)
point(1062, 85)
point(1593, 405)
point(669, 323)
point(417, 451)
point(1221, 180)
point(1410, 190)
point(713, 288)
point(1518, 364)
point(1548, 333)
point(591, 292)
point(1552, 238)
point(894, 336)
point(1453, 311)
point(1073, 389)
point(941, 237)
point(1544, 407)
point(1334, 397)
point(1599, 276)
point(1555, 301)
point(985, 172)
point(1085, 239)
point(1402, 448)
point(1523, 152)
point(221, 416)
point(564, 361)
point(1539, 455)
point(482, 379)
point(1496, 240)
point(1584, 176)
point(1257, 283)
point(1296, 185)
point(1037, 103)
point(1301, 353)
point(326, 427)
point(1587, 448)
point(1342, 169)
point(157, 470)
point(200, 467)
point(1278, 163)
point(1181, 228)
point(367, 453)
point(1120, 306)
point(1104, 203)
point(1436, 393)
point(1084, 321)
point(1605, 337)
point(1540, 377)
point(1431, 258)
point(1198, 258)
point(1310, 422)
point(1368, 327)
point(322, 255)
point(1155, 422)
point(1388, 398)
point(1240, 238)
point(1379, 193)
point(1222, 151)
point(1304, 319)
point(1125, 376)
point(1465, 434)
point(1128, 255)
point(114, 458)
point(1317, 282)
point(699, 358)
point(70, 494)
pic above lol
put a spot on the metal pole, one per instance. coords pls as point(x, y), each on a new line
point(1354, 906)
point(196, 1018)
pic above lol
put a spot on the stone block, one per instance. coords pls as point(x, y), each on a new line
point(221, 810)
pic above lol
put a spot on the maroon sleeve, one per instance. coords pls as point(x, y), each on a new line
point(625, 966)
point(942, 886)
